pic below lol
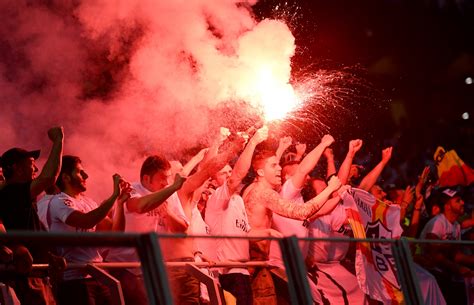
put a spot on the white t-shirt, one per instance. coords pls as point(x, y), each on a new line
point(61, 206)
point(226, 216)
point(151, 221)
point(328, 226)
point(42, 205)
point(445, 230)
point(441, 227)
point(288, 226)
point(199, 227)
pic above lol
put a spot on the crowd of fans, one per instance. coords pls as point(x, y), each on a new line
point(240, 185)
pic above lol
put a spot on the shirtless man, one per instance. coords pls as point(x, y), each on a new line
point(262, 200)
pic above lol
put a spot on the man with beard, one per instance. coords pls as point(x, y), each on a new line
point(447, 262)
point(18, 211)
point(71, 211)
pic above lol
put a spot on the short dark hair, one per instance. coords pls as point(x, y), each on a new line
point(285, 166)
point(260, 157)
point(433, 200)
point(67, 167)
point(154, 164)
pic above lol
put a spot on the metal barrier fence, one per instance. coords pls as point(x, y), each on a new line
point(154, 266)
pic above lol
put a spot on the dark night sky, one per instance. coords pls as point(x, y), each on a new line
point(418, 54)
point(397, 70)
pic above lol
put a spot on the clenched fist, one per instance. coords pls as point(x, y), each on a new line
point(56, 133)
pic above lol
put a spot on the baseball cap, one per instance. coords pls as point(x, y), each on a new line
point(14, 155)
point(393, 187)
point(451, 192)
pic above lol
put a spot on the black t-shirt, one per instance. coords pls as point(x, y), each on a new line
point(18, 211)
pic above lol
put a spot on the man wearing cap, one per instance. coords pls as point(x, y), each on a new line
point(445, 261)
point(18, 210)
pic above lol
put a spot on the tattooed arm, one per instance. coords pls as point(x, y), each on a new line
point(315, 207)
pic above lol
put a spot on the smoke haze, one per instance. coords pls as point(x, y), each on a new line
point(130, 78)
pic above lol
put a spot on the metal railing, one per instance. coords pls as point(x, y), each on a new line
point(154, 266)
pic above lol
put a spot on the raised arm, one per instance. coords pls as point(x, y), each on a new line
point(195, 160)
point(419, 203)
point(214, 148)
point(374, 174)
point(210, 168)
point(422, 179)
point(118, 218)
point(407, 200)
point(300, 150)
point(242, 165)
point(283, 145)
point(89, 220)
point(50, 171)
point(330, 204)
point(286, 208)
point(152, 201)
point(331, 165)
point(415, 218)
point(310, 161)
point(344, 170)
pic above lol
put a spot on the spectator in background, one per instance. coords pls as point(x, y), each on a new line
point(446, 262)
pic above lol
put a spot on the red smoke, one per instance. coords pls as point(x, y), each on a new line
point(129, 78)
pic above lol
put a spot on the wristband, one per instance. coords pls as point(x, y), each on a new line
point(329, 178)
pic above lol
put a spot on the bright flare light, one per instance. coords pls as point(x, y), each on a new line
point(263, 69)
point(275, 97)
